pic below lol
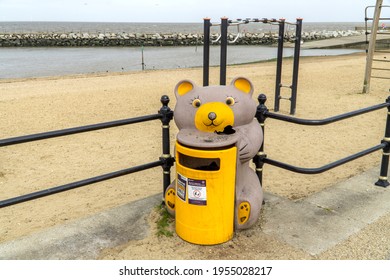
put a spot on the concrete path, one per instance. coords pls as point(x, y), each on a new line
point(341, 42)
point(323, 220)
point(314, 225)
point(86, 238)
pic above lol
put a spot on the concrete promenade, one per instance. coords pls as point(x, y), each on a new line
point(342, 42)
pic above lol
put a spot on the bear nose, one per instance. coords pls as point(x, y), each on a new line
point(212, 116)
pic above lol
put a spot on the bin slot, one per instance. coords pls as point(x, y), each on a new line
point(206, 164)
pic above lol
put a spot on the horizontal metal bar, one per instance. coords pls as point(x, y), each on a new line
point(78, 184)
point(368, 18)
point(381, 60)
point(325, 167)
point(236, 23)
point(247, 20)
point(378, 77)
point(384, 69)
point(290, 23)
point(75, 130)
point(327, 120)
point(255, 20)
point(380, 51)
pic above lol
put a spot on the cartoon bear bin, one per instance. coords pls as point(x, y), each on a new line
point(215, 190)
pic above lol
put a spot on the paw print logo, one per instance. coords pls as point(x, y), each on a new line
point(244, 212)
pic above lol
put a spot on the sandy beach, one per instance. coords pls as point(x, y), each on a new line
point(327, 86)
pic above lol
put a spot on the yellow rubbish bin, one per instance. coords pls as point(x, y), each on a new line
point(205, 192)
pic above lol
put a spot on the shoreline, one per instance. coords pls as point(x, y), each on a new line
point(105, 74)
point(46, 62)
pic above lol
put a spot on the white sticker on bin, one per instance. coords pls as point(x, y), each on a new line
point(181, 186)
point(197, 194)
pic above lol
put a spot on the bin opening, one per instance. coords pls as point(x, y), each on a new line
point(205, 164)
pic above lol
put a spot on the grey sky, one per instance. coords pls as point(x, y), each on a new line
point(182, 10)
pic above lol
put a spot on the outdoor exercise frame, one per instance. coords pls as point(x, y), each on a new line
point(223, 38)
point(371, 43)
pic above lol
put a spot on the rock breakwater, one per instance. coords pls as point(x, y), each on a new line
point(142, 39)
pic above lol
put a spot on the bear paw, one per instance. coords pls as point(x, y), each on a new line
point(244, 211)
point(170, 201)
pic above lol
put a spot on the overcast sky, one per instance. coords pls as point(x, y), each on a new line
point(182, 10)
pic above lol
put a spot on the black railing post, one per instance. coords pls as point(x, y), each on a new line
point(383, 180)
point(279, 63)
point(297, 50)
point(224, 43)
point(261, 117)
point(206, 51)
point(166, 158)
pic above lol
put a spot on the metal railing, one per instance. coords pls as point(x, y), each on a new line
point(261, 158)
point(165, 114)
point(166, 161)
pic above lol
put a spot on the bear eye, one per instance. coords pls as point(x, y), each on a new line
point(196, 103)
point(230, 101)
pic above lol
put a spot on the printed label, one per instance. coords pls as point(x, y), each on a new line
point(197, 192)
point(181, 187)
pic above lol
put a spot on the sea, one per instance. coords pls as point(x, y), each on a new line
point(46, 62)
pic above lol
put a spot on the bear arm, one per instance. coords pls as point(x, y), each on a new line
point(250, 140)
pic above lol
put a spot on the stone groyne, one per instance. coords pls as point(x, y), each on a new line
point(138, 39)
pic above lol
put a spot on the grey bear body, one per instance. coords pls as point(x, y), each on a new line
point(216, 116)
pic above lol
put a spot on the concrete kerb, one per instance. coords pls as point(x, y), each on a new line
point(314, 224)
point(85, 238)
point(323, 220)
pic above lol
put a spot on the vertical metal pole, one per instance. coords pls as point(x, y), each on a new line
point(371, 47)
point(224, 42)
point(167, 115)
point(142, 58)
point(297, 50)
point(261, 117)
point(279, 64)
point(383, 180)
point(206, 51)
point(366, 28)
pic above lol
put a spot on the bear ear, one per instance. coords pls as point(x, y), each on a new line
point(243, 84)
point(183, 87)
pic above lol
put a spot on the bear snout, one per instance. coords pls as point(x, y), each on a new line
point(212, 116)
